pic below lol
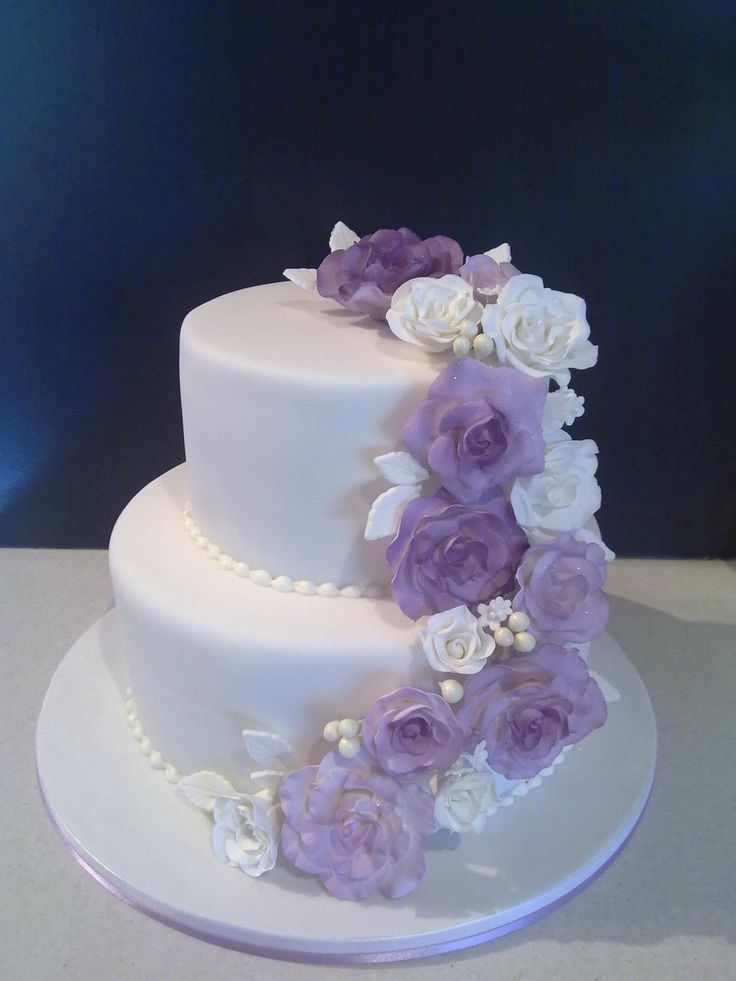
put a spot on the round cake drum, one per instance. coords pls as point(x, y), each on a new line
point(129, 829)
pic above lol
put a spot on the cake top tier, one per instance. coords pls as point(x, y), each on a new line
point(280, 331)
point(286, 400)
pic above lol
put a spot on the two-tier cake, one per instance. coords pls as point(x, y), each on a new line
point(360, 613)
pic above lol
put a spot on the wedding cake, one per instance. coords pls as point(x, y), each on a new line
point(359, 614)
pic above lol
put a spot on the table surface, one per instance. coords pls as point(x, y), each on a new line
point(664, 909)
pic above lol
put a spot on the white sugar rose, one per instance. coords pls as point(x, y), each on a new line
point(434, 313)
point(565, 496)
point(466, 794)
point(454, 641)
point(539, 331)
point(246, 832)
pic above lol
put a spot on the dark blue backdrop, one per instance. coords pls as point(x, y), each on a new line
point(155, 155)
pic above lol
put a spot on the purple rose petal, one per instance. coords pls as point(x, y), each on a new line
point(560, 590)
point(358, 829)
point(479, 427)
point(365, 277)
point(446, 554)
point(411, 731)
point(529, 708)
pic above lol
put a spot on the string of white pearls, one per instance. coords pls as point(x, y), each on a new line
point(346, 733)
point(516, 633)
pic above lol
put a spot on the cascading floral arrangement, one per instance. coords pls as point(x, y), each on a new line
point(493, 546)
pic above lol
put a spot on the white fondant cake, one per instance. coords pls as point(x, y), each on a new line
point(248, 582)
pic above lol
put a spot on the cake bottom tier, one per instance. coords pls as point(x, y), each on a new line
point(210, 653)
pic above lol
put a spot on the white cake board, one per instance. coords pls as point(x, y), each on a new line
point(129, 829)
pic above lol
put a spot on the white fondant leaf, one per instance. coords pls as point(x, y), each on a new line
point(306, 278)
point(502, 253)
point(401, 468)
point(342, 237)
point(383, 518)
point(264, 747)
point(202, 789)
point(270, 780)
point(610, 694)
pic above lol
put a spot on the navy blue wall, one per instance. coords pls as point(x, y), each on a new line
point(155, 155)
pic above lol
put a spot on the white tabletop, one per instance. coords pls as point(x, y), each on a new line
point(664, 909)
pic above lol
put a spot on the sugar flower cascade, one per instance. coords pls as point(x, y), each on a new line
point(495, 552)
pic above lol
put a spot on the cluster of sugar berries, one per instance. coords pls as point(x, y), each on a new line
point(346, 733)
point(515, 633)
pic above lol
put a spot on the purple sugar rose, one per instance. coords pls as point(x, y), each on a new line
point(560, 590)
point(479, 427)
point(528, 708)
point(412, 731)
point(446, 554)
point(364, 277)
point(486, 276)
point(358, 829)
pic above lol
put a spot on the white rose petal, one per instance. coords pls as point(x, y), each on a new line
point(540, 331)
point(454, 641)
point(466, 794)
point(591, 535)
point(246, 832)
point(565, 496)
point(434, 313)
point(562, 408)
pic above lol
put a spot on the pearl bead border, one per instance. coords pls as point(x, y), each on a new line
point(155, 759)
point(282, 584)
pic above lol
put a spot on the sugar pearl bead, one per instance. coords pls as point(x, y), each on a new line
point(503, 637)
point(348, 727)
point(328, 589)
point(451, 690)
point(483, 345)
point(518, 621)
point(349, 748)
point(461, 346)
point(331, 731)
point(469, 330)
point(524, 642)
